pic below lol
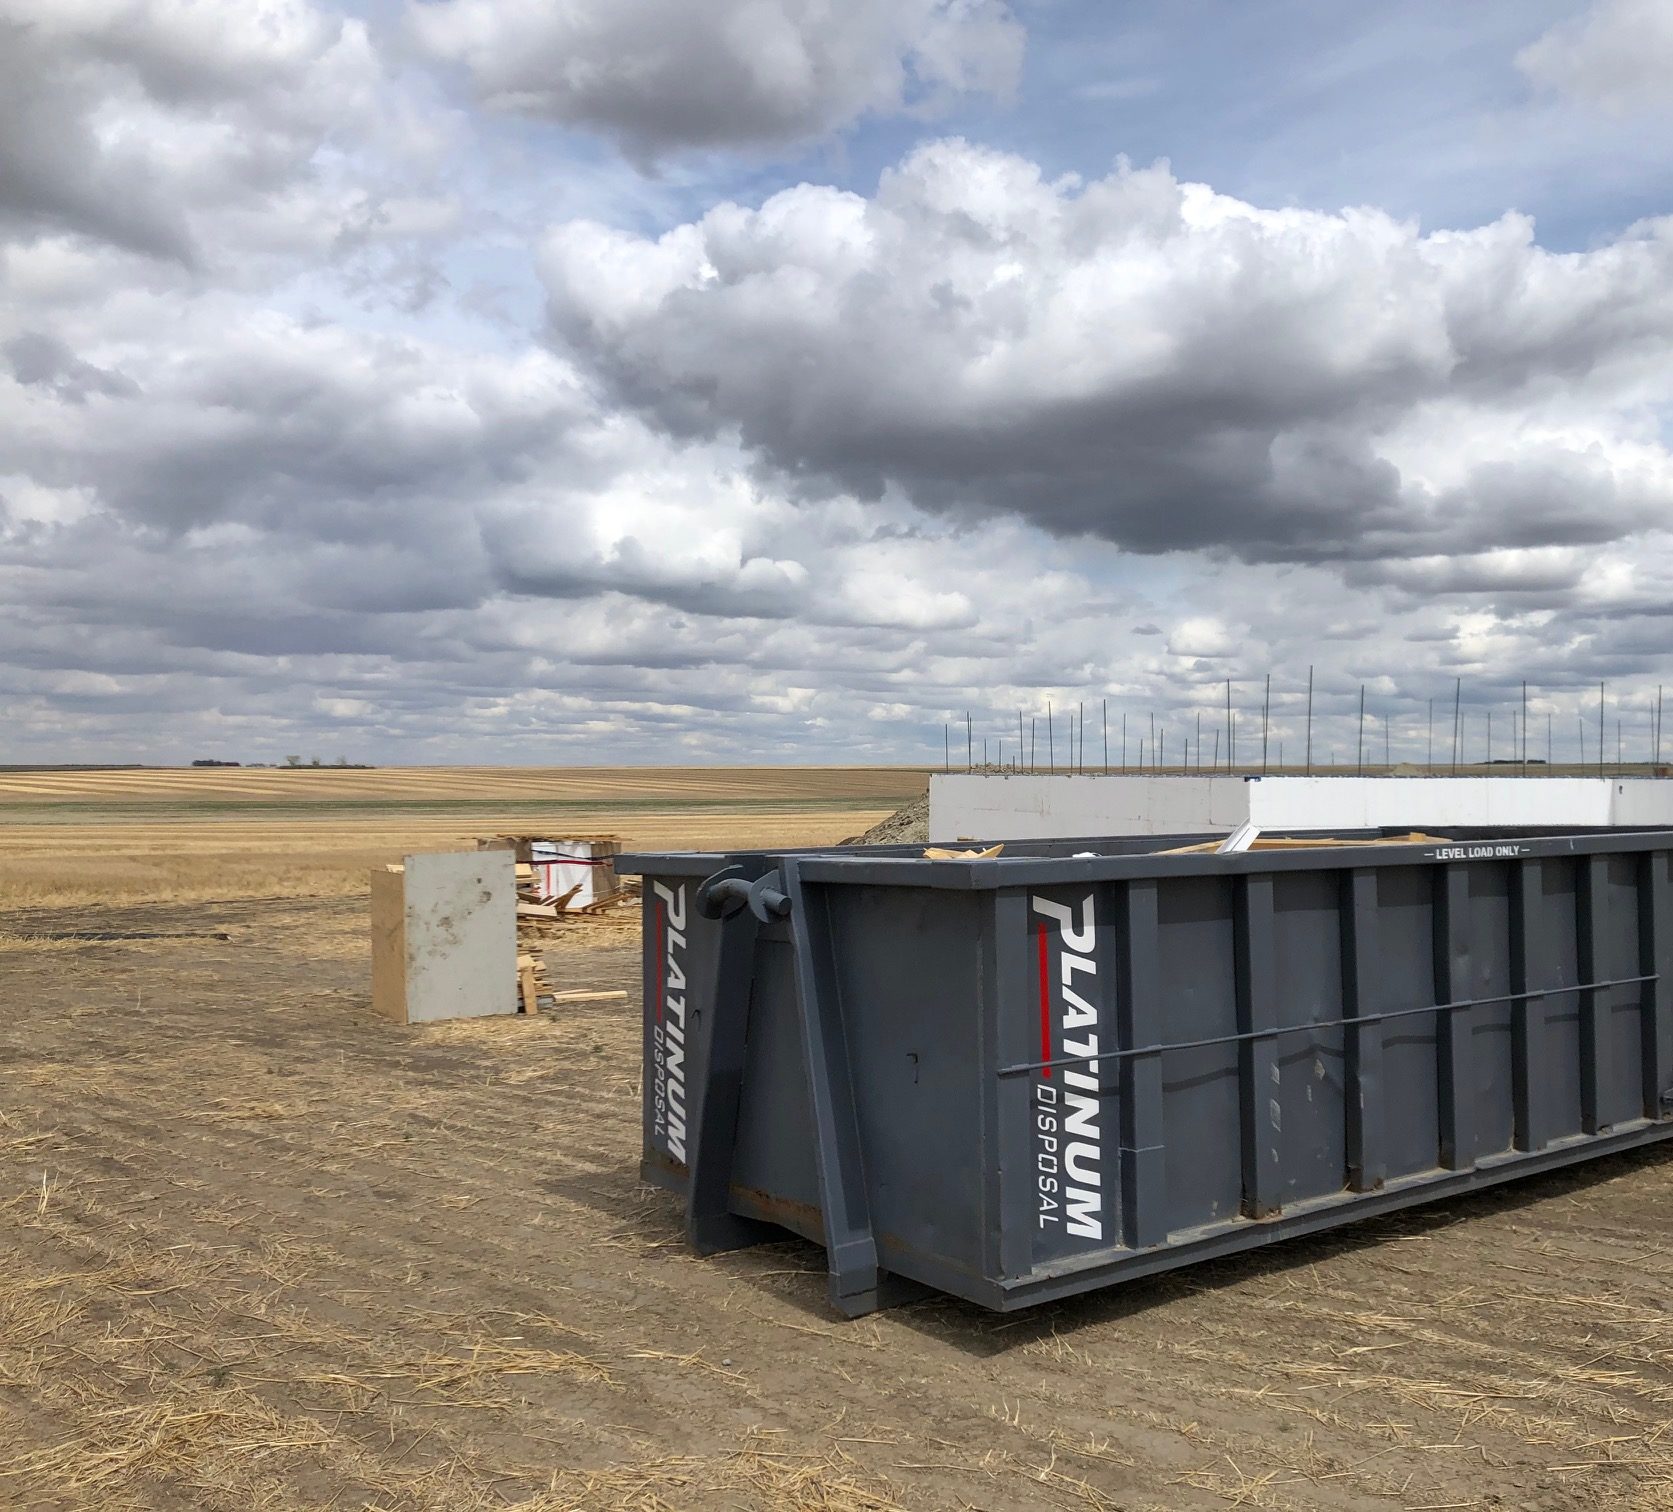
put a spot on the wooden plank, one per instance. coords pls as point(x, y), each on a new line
point(389, 944)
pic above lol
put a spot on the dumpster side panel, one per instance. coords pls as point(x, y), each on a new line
point(773, 1171)
point(1655, 916)
point(1410, 1101)
point(910, 997)
point(1489, 1022)
point(1202, 1117)
point(1554, 963)
point(1307, 954)
point(907, 991)
point(1621, 1052)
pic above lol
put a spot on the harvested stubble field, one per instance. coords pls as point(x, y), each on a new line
point(180, 836)
point(258, 1249)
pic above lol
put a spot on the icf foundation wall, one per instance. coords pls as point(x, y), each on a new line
point(1050, 807)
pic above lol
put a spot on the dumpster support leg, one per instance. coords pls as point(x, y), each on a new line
point(857, 1286)
point(710, 1227)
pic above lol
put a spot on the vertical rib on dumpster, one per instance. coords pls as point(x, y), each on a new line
point(1144, 1170)
point(1363, 1105)
point(1653, 925)
point(1589, 905)
point(1452, 1038)
point(850, 1245)
point(1007, 1111)
point(1257, 1014)
point(1528, 1047)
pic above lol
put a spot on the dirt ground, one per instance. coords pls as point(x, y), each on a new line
point(260, 1249)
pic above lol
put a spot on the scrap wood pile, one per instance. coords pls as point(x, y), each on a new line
point(573, 877)
point(539, 912)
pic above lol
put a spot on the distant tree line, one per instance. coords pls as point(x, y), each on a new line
point(295, 762)
point(341, 761)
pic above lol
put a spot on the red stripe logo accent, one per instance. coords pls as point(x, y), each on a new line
point(1045, 1004)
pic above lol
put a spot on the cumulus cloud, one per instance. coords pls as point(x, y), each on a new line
point(663, 75)
point(122, 120)
point(260, 420)
point(279, 522)
point(1617, 55)
point(1145, 360)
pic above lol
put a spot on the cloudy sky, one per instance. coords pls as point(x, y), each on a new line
point(649, 381)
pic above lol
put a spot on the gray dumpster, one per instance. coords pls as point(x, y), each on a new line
point(1018, 1078)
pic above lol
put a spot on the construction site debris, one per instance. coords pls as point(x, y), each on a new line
point(906, 826)
point(543, 915)
point(571, 871)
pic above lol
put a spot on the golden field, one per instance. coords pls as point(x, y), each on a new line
point(177, 835)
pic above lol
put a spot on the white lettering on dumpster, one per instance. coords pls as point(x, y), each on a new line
point(1478, 852)
point(1068, 1136)
point(668, 1027)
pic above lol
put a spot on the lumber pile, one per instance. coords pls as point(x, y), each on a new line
point(542, 916)
point(536, 907)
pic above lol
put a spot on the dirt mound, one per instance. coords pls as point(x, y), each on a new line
point(906, 826)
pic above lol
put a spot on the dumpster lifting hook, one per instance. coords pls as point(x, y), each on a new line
point(728, 891)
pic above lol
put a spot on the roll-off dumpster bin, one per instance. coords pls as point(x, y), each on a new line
point(1021, 1077)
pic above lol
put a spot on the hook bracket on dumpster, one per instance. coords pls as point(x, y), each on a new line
point(728, 892)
